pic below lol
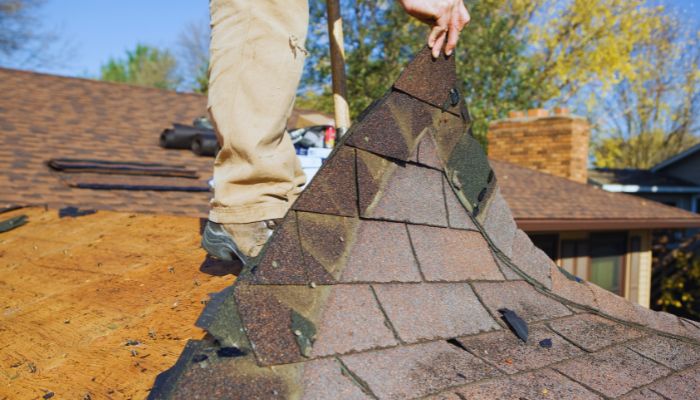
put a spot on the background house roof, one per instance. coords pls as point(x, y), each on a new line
point(542, 202)
point(44, 117)
point(662, 165)
point(637, 177)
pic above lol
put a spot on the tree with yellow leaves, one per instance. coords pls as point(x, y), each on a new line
point(653, 114)
point(515, 54)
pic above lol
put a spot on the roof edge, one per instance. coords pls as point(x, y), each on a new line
point(552, 225)
point(663, 164)
point(620, 188)
point(99, 81)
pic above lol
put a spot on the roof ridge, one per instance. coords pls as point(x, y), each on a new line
point(96, 81)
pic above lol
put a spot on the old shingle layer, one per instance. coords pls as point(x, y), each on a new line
point(392, 285)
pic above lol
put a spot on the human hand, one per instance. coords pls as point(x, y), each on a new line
point(447, 18)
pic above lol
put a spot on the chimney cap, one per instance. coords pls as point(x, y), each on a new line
point(537, 113)
point(561, 111)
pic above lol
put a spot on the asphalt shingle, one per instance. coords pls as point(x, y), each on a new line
point(449, 255)
point(418, 370)
point(613, 372)
point(508, 353)
point(394, 192)
point(520, 297)
point(592, 332)
point(431, 311)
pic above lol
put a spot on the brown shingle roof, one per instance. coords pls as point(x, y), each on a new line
point(541, 202)
point(297, 325)
point(44, 117)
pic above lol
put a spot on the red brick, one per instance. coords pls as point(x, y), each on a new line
point(433, 310)
point(453, 255)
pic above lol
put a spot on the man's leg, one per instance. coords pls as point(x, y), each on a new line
point(257, 58)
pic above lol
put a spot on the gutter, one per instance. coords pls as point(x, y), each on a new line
point(562, 225)
point(616, 188)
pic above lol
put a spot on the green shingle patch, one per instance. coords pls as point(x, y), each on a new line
point(305, 333)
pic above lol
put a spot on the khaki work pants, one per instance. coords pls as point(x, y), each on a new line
point(257, 57)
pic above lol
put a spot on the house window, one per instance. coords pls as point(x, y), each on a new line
point(608, 261)
point(599, 259)
point(547, 243)
point(575, 257)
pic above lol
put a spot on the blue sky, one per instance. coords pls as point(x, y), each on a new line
point(100, 29)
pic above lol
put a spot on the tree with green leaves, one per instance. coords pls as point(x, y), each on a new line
point(144, 66)
point(516, 54)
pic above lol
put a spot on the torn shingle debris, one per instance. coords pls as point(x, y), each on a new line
point(349, 301)
point(515, 323)
point(12, 223)
point(74, 212)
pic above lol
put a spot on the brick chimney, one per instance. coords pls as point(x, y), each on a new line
point(555, 143)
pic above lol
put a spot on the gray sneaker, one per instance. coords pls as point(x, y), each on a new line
point(244, 241)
